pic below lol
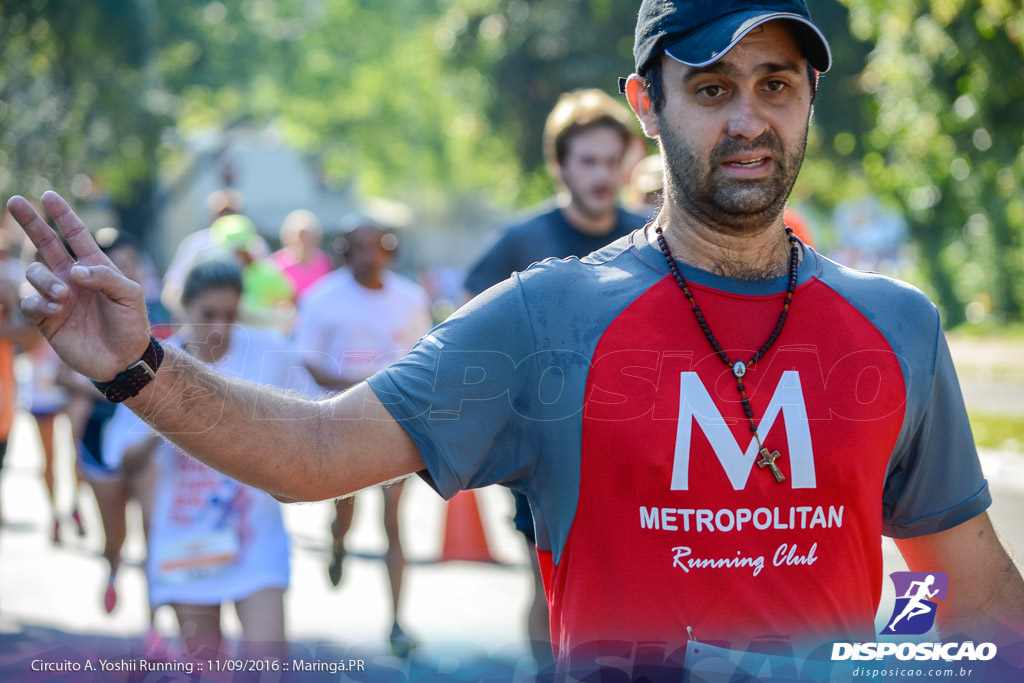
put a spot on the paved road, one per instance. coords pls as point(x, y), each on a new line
point(52, 595)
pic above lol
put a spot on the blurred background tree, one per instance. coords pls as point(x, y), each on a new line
point(79, 104)
point(436, 102)
point(532, 52)
point(946, 82)
point(360, 85)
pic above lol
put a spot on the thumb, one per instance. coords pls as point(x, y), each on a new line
point(107, 280)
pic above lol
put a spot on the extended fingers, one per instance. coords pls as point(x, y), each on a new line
point(45, 239)
point(74, 230)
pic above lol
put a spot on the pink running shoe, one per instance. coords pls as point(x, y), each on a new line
point(110, 597)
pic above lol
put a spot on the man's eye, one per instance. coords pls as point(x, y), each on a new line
point(776, 86)
point(711, 90)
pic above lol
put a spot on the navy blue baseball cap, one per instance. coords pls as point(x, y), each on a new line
point(699, 32)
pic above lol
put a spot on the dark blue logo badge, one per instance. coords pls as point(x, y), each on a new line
point(914, 612)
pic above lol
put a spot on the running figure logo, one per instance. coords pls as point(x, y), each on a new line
point(914, 612)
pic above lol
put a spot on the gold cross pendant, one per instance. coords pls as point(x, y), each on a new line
point(768, 460)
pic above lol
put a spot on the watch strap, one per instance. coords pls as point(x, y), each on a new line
point(136, 376)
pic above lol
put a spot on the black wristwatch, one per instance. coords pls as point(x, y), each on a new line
point(139, 374)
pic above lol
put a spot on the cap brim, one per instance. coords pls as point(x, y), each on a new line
point(709, 44)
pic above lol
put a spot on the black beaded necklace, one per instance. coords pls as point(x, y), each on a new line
point(739, 368)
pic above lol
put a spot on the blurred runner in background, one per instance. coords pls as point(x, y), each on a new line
point(220, 203)
point(352, 323)
point(211, 539)
point(268, 296)
point(300, 257)
point(15, 332)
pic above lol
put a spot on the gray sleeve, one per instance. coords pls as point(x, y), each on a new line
point(462, 394)
point(935, 480)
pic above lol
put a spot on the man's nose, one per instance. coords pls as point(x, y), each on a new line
point(747, 118)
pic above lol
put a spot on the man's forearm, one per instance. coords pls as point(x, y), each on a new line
point(294, 448)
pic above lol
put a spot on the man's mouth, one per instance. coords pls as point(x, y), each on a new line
point(747, 163)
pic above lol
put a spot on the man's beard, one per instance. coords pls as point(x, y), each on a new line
point(740, 204)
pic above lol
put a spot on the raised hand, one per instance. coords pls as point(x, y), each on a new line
point(93, 316)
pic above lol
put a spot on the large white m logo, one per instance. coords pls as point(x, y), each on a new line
point(695, 404)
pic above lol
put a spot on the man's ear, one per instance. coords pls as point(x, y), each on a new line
point(640, 102)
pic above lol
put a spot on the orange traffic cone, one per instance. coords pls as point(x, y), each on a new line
point(464, 536)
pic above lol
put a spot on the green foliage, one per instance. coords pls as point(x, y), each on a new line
point(70, 96)
point(377, 100)
point(438, 102)
point(1000, 432)
point(361, 86)
point(947, 78)
point(532, 52)
point(842, 115)
point(72, 99)
point(989, 330)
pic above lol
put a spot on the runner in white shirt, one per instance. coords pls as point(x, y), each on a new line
point(212, 539)
point(352, 323)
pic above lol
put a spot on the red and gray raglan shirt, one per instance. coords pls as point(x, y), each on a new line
point(589, 385)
